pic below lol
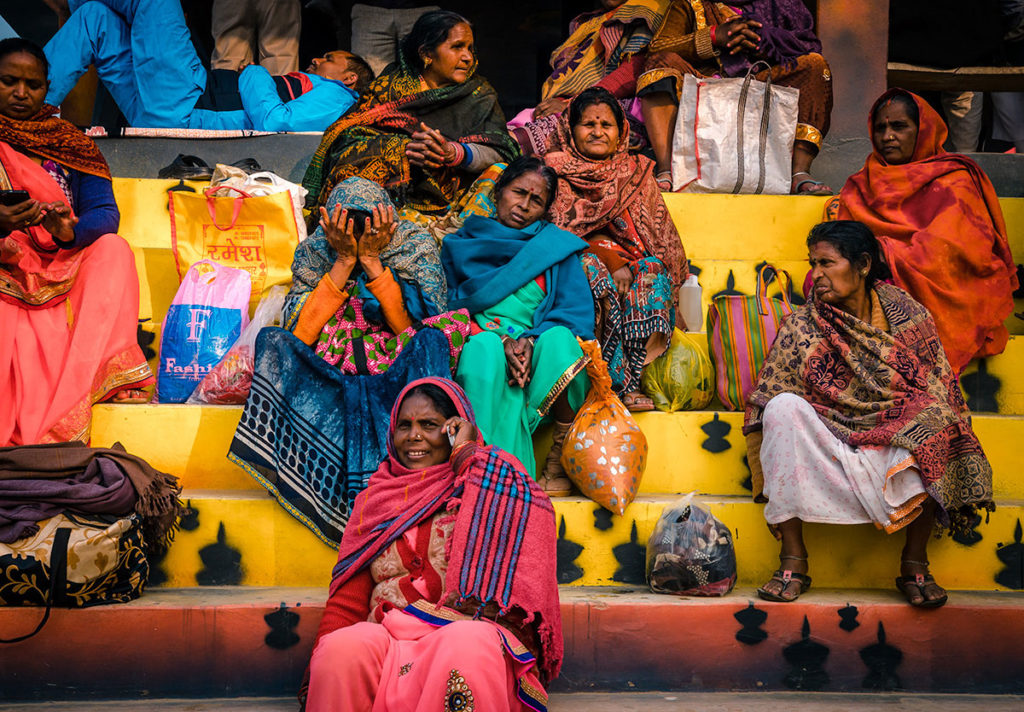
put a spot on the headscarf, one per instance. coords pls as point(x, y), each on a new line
point(371, 140)
point(511, 565)
point(873, 388)
point(601, 195)
point(486, 261)
point(939, 222)
point(50, 137)
point(412, 256)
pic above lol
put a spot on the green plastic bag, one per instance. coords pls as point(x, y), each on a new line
point(682, 378)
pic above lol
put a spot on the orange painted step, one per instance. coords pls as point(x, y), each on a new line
point(219, 641)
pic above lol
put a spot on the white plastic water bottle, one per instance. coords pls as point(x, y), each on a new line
point(689, 304)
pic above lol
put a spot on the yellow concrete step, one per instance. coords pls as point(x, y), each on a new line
point(729, 227)
point(246, 538)
point(697, 450)
point(723, 234)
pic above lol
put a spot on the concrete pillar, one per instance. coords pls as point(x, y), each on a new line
point(855, 39)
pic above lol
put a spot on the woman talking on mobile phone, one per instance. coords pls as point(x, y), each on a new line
point(69, 294)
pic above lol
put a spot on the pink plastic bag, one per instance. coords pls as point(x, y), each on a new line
point(206, 317)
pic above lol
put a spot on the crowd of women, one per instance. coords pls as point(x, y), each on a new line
point(436, 311)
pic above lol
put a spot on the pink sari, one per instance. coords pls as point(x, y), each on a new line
point(69, 317)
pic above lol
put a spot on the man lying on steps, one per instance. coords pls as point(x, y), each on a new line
point(143, 54)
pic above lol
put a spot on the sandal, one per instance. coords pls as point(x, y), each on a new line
point(127, 396)
point(786, 577)
point(919, 582)
point(637, 402)
point(664, 180)
point(817, 186)
point(186, 167)
point(552, 478)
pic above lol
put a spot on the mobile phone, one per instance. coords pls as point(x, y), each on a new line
point(13, 197)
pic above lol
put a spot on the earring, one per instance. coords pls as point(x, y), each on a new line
point(426, 62)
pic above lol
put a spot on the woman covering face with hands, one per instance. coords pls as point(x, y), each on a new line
point(366, 314)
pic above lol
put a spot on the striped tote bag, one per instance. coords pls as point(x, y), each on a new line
point(740, 331)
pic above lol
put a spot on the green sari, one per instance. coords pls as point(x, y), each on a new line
point(508, 415)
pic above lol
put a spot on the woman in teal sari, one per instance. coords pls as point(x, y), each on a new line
point(521, 279)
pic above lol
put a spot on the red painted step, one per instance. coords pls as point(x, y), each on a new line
point(239, 641)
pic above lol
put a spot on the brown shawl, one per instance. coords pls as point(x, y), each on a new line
point(870, 387)
point(50, 137)
point(618, 196)
point(158, 504)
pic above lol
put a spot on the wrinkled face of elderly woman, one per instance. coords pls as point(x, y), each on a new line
point(596, 135)
point(523, 201)
point(420, 437)
point(837, 281)
point(894, 133)
point(22, 85)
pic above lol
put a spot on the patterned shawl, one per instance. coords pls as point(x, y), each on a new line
point(618, 196)
point(939, 221)
point(511, 564)
point(870, 387)
point(371, 140)
point(486, 261)
point(412, 256)
point(599, 42)
point(50, 137)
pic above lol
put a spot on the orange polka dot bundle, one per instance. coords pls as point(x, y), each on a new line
point(605, 452)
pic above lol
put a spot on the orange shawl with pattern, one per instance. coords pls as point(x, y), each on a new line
point(939, 221)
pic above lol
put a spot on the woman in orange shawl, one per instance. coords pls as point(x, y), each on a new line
point(939, 222)
point(69, 295)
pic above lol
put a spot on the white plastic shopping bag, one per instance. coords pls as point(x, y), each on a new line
point(734, 136)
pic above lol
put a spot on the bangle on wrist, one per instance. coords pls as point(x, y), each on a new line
point(455, 153)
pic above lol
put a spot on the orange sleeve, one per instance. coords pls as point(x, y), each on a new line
point(319, 307)
point(388, 293)
point(612, 259)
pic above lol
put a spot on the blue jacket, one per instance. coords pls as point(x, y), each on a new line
point(264, 110)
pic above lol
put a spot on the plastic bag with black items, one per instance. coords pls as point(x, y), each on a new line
point(229, 381)
point(690, 552)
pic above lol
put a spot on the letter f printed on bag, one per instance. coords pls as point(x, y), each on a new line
point(197, 324)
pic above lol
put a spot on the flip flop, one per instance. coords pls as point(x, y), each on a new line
point(825, 190)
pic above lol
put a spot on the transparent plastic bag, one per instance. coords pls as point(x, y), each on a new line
point(690, 552)
point(682, 378)
point(228, 382)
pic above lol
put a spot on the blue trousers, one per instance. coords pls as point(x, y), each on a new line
point(143, 53)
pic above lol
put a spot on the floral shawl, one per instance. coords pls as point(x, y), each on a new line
point(870, 387)
point(618, 196)
point(370, 141)
point(412, 255)
point(939, 222)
